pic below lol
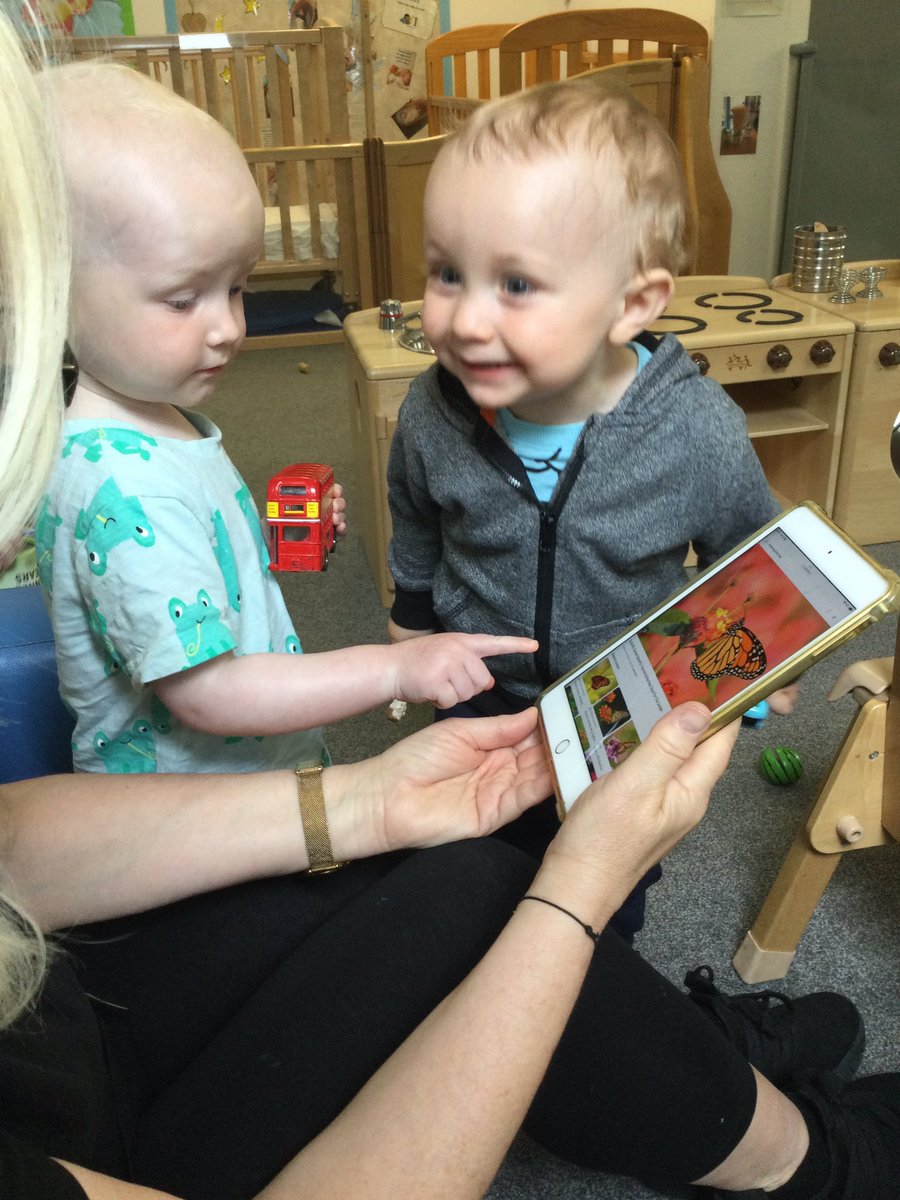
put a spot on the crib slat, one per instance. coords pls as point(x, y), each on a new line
point(335, 84)
point(256, 98)
point(197, 97)
point(309, 103)
point(240, 83)
point(347, 230)
point(177, 73)
point(211, 84)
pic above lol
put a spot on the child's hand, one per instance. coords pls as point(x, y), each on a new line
point(447, 668)
point(397, 633)
point(338, 510)
point(784, 701)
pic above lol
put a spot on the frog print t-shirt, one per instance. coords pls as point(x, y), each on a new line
point(153, 560)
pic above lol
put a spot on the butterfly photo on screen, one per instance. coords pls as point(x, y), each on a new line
point(736, 652)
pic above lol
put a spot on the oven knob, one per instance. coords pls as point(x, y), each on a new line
point(889, 355)
point(821, 352)
point(702, 362)
point(779, 357)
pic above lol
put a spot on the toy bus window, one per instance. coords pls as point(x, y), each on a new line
point(296, 533)
point(293, 490)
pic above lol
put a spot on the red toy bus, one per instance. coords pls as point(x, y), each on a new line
point(300, 517)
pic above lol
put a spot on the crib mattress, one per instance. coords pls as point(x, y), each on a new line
point(301, 232)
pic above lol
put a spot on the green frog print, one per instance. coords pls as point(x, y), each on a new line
point(111, 520)
point(199, 629)
point(94, 441)
point(226, 560)
point(132, 752)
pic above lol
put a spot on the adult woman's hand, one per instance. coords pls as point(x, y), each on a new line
point(455, 779)
point(629, 819)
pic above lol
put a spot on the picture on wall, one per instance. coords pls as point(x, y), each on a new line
point(740, 125)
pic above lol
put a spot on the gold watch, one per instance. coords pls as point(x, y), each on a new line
point(315, 823)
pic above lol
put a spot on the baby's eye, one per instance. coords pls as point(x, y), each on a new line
point(516, 286)
point(236, 289)
point(449, 276)
point(181, 305)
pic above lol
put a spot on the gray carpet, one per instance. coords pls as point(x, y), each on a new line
point(272, 414)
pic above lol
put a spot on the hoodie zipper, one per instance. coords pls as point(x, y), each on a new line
point(546, 566)
point(492, 446)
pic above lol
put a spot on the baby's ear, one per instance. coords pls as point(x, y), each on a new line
point(646, 296)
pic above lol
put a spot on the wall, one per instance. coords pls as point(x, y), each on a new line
point(149, 17)
point(751, 57)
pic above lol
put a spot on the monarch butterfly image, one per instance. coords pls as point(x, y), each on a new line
point(737, 652)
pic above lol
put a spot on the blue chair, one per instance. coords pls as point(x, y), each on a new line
point(35, 726)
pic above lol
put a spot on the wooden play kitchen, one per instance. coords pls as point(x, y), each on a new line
point(380, 371)
point(786, 363)
point(867, 500)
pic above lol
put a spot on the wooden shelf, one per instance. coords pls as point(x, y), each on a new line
point(795, 425)
point(782, 422)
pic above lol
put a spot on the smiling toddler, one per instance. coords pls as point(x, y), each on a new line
point(551, 471)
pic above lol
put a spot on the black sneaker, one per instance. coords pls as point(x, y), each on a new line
point(786, 1040)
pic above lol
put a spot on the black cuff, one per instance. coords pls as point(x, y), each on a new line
point(413, 610)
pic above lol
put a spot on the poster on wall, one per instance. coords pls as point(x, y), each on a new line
point(86, 18)
point(394, 62)
point(415, 17)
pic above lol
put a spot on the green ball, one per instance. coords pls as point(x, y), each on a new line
point(781, 765)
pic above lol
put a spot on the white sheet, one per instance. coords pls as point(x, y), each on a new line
point(300, 229)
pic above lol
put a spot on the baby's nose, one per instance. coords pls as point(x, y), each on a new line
point(471, 317)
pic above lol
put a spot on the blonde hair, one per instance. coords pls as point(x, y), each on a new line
point(34, 284)
point(612, 131)
point(34, 287)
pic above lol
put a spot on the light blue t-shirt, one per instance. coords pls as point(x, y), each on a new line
point(153, 560)
point(545, 449)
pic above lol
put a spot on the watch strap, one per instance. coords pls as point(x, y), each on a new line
point(311, 800)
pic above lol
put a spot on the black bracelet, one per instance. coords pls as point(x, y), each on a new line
point(592, 933)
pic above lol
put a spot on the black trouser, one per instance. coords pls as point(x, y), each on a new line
point(251, 1016)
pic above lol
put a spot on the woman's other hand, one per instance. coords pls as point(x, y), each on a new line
point(629, 819)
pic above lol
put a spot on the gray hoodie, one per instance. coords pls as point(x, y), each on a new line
point(473, 550)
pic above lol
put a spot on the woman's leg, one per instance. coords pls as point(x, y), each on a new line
point(315, 1025)
point(166, 981)
point(771, 1150)
point(640, 1086)
point(642, 1082)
